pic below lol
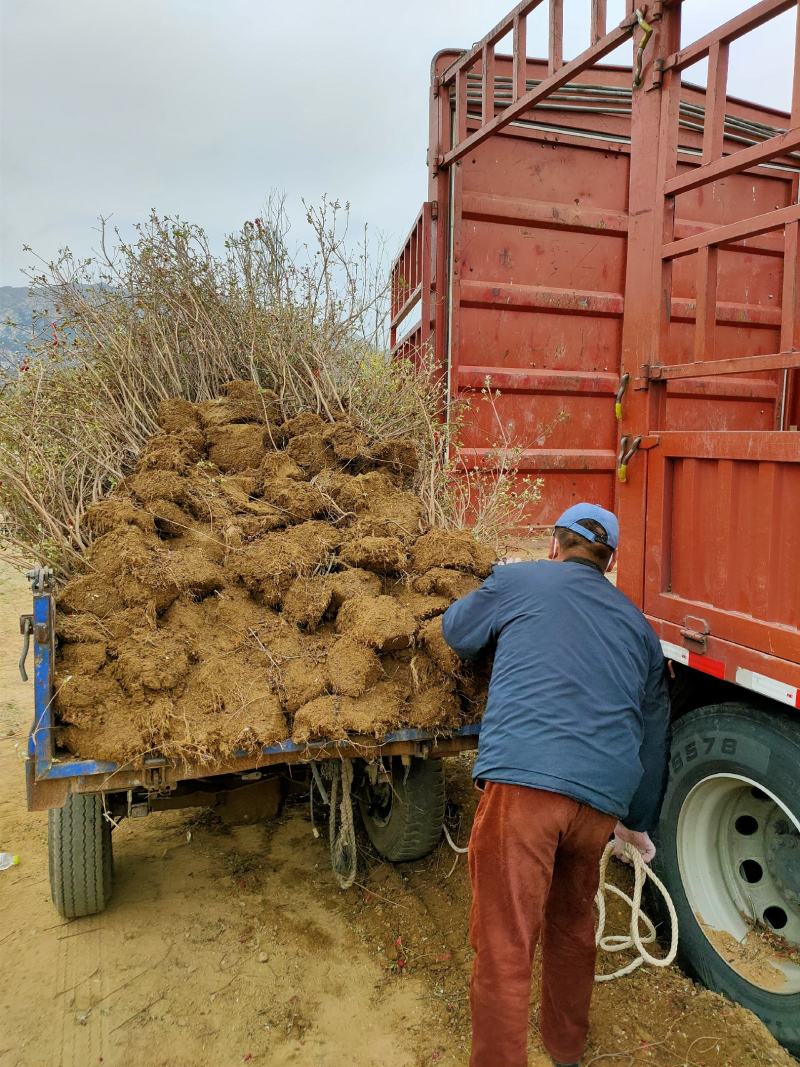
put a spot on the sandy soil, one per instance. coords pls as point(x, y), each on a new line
point(224, 946)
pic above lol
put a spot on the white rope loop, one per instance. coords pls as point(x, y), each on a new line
point(634, 939)
point(344, 860)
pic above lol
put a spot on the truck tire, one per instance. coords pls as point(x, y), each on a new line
point(403, 813)
point(80, 854)
point(729, 853)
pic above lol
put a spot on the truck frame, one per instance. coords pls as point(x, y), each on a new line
point(614, 252)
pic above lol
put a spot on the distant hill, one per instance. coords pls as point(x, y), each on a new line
point(17, 309)
point(20, 324)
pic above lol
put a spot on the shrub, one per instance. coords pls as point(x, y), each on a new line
point(164, 316)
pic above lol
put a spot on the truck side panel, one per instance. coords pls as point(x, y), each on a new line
point(579, 268)
point(537, 230)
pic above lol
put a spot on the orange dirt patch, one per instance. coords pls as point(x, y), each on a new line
point(452, 548)
point(441, 653)
point(236, 447)
point(353, 582)
point(445, 583)
point(307, 601)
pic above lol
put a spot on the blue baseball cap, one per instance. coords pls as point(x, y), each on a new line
point(607, 519)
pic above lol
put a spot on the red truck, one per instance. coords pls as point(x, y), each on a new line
point(616, 251)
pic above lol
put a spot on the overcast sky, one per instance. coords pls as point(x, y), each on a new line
point(201, 107)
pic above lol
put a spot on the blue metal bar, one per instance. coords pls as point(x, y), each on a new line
point(470, 730)
point(40, 744)
point(79, 768)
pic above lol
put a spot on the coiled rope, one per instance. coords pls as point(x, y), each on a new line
point(632, 940)
point(344, 855)
point(344, 860)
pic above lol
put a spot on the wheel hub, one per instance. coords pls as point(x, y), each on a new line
point(739, 856)
point(783, 858)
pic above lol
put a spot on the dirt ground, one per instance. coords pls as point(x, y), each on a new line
point(230, 945)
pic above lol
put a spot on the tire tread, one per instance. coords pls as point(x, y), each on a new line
point(80, 856)
point(415, 825)
point(779, 732)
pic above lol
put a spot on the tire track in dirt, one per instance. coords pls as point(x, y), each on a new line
point(81, 980)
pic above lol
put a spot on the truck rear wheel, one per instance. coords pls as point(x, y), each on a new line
point(403, 811)
point(729, 853)
point(81, 860)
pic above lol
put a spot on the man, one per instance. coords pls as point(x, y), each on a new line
point(574, 738)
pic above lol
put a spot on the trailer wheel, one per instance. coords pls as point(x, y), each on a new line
point(80, 854)
point(403, 811)
point(729, 853)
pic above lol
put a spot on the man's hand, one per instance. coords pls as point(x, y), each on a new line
point(508, 559)
point(638, 838)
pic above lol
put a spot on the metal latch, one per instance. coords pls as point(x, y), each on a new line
point(643, 40)
point(138, 809)
point(154, 771)
point(26, 629)
point(696, 631)
point(41, 578)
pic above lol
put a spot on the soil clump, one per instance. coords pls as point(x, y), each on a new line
point(254, 580)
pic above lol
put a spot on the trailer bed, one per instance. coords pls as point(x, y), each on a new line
point(51, 775)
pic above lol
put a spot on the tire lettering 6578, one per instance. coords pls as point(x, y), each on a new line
point(726, 746)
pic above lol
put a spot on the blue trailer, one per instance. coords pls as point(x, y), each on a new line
point(397, 782)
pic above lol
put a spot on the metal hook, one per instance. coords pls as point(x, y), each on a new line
point(623, 385)
point(646, 35)
point(625, 455)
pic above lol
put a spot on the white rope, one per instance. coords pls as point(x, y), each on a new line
point(107, 814)
point(452, 844)
point(633, 940)
point(344, 856)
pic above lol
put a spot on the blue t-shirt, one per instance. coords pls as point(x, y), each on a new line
point(578, 699)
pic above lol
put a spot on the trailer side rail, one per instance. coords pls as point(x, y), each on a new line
point(411, 286)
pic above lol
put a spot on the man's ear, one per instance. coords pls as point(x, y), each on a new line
point(553, 553)
point(612, 562)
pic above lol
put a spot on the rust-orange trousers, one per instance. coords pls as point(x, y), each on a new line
point(534, 862)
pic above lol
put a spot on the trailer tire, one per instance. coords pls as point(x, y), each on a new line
point(403, 816)
point(729, 844)
point(80, 856)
